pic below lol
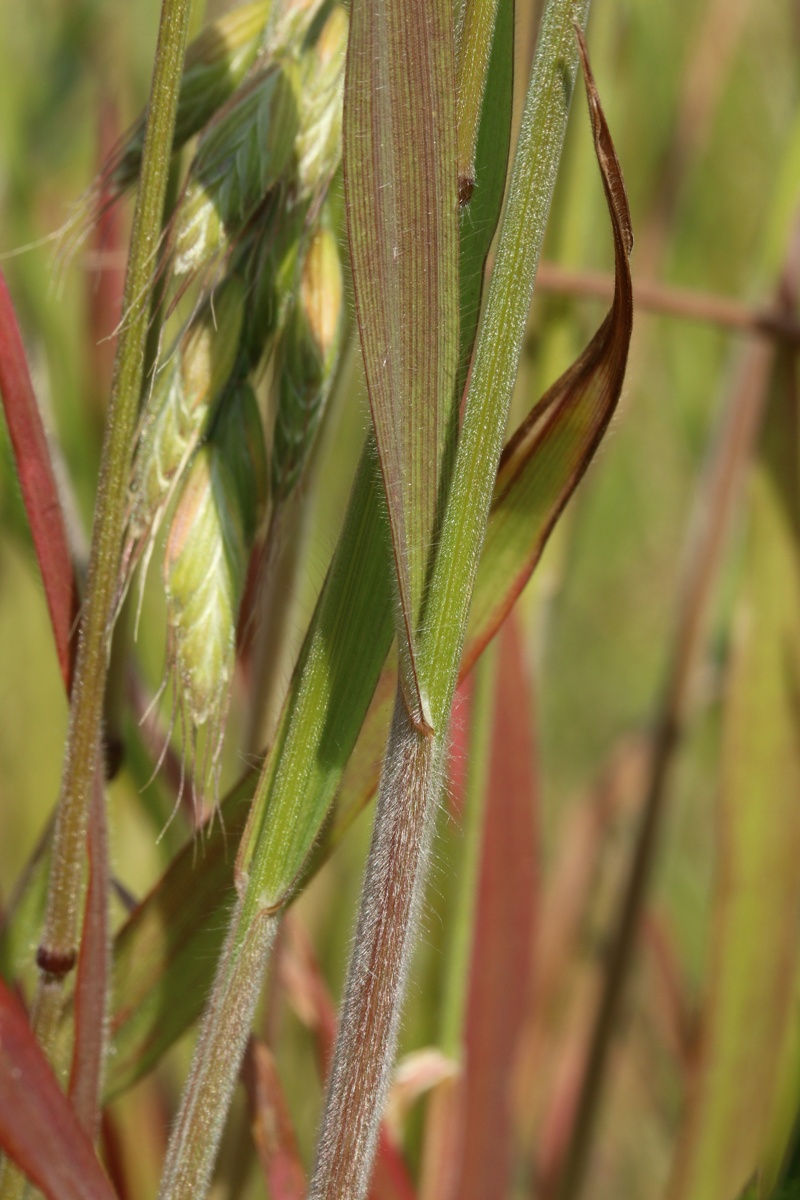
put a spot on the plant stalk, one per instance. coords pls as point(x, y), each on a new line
point(218, 1056)
point(391, 899)
point(57, 952)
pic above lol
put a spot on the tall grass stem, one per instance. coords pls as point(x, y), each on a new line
point(57, 952)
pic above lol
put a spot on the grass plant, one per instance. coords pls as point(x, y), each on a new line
point(386, 570)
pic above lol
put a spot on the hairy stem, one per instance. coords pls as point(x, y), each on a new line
point(220, 1047)
point(57, 952)
point(384, 940)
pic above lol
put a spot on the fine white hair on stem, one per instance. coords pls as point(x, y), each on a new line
point(384, 940)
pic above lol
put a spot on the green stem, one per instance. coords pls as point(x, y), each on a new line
point(218, 1055)
point(57, 951)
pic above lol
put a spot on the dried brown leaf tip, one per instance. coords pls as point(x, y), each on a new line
point(587, 393)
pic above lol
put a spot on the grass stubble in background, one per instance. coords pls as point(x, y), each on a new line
point(319, 194)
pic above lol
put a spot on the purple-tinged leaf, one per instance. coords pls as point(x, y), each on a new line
point(37, 484)
point(401, 188)
point(38, 1128)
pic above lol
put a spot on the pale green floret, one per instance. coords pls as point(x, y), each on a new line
point(181, 405)
point(204, 574)
point(319, 141)
point(242, 155)
point(306, 361)
point(213, 528)
point(216, 62)
point(291, 22)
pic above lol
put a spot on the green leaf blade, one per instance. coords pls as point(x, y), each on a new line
point(399, 154)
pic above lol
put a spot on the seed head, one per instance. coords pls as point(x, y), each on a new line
point(213, 528)
point(204, 573)
point(242, 155)
point(289, 27)
point(216, 62)
point(238, 434)
point(319, 140)
point(180, 406)
point(271, 266)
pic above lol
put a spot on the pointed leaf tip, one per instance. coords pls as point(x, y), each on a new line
point(401, 190)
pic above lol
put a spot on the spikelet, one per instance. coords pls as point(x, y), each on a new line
point(306, 358)
point(319, 140)
point(291, 22)
point(216, 517)
point(179, 410)
point(241, 156)
point(216, 62)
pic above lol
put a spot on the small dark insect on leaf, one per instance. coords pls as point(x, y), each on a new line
point(466, 186)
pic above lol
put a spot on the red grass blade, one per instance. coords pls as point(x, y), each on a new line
point(502, 955)
point(38, 1128)
point(37, 483)
point(271, 1123)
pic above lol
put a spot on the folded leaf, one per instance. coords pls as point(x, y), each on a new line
point(546, 458)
